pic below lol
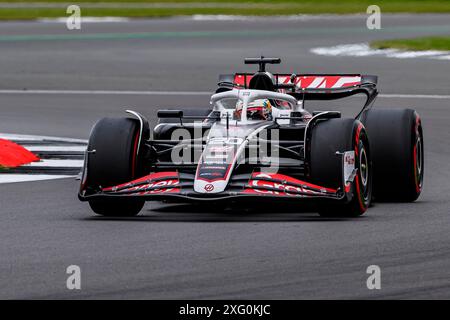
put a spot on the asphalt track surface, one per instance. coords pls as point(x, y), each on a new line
point(179, 251)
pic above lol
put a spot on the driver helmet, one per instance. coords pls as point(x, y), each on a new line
point(260, 109)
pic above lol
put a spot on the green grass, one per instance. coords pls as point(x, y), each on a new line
point(417, 44)
point(246, 7)
point(318, 2)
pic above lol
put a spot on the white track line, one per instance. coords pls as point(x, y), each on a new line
point(55, 148)
point(414, 96)
point(10, 178)
point(109, 92)
point(21, 137)
point(49, 144)
point(364, 50)
point(294, 17)
point(166, 93)
point(56, 163)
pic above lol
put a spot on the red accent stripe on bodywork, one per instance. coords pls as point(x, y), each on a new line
point(307, 81)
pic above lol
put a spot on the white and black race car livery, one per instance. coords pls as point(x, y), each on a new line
point(257, 141)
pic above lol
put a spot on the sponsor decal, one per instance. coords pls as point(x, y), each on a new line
point(282, 185)
point(209, 187)
point(171, 182)
point(211, 172)
point(217, 159)
point(349, 168)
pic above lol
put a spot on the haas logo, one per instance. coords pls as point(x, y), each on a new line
point(209, 187)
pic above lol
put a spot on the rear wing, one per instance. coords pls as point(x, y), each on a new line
point(313, 86)
point(316, 86)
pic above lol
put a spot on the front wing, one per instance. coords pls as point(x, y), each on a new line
point(173, 185)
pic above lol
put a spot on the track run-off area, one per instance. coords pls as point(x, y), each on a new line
point(57, 83)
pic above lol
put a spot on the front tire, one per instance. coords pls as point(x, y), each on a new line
point(112, 161)
point(326, 170)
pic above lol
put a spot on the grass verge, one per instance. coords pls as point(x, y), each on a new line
point(229, 7)
point(416, 44)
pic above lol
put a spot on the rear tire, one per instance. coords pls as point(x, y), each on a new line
point(396, 141)
point(326, 166)
point(115, 141)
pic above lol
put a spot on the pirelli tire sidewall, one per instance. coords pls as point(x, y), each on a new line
point(326, 167)
point(397, 144)
point(112, 159)
point(362, 184)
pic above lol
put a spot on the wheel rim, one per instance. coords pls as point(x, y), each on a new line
point(419, 156)
point(418, 163)
point(364, 177)
point(363, 167)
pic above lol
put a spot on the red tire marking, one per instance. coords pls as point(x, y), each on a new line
point(416, 178)
point(362, 205)
point(133, 162)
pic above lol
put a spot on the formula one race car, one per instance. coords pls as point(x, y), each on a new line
point(257, 142)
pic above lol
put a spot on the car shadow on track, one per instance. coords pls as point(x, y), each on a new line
point(201, 213)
